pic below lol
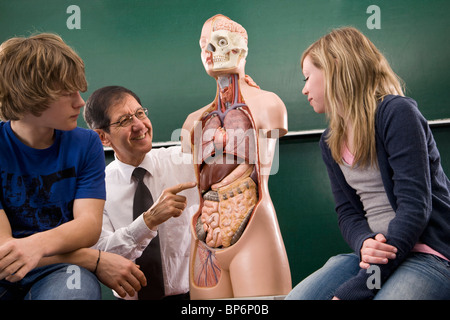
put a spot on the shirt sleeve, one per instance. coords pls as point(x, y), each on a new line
point(352, 222)
point(129, 241)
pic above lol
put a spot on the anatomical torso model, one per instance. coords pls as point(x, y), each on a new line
point(237, 249)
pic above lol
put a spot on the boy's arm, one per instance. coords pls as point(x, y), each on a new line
point(5, 228)
point(81, 232)
point(19, 256)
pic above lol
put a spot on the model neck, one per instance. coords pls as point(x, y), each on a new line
point(228, 88)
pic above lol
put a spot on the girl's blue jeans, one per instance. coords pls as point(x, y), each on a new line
point(420, 277)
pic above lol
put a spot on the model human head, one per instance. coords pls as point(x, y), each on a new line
point(224, 46)
point(36, 71)
point(356, 76)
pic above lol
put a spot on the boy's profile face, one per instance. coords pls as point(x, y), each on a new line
point(62, 113)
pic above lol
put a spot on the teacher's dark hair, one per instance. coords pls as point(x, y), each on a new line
point(97, 106)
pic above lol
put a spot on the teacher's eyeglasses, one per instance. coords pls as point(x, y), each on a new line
point(127, 119)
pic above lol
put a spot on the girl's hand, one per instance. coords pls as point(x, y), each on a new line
point(376, 251)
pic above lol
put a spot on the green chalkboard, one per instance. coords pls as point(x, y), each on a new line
point(152, 47)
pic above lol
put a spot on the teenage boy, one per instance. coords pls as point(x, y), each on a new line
point(52, 189)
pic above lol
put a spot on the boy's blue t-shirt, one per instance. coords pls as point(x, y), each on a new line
point(38, 187)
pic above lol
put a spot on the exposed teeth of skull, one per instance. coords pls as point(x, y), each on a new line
point(219, 58)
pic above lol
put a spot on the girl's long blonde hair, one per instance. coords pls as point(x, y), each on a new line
point(357, 76)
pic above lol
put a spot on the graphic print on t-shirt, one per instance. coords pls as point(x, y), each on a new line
point(35, 203)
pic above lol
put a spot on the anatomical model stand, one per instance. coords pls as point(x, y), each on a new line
point(237, 249)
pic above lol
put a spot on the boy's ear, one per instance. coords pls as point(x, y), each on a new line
point(104, 137)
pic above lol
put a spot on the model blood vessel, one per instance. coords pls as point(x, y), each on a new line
point(237, 249)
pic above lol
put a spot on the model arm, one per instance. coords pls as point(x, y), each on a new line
point(188, 131)
point(271, 112)
point(277, 121)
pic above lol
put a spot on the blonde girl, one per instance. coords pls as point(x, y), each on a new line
point(391, 194)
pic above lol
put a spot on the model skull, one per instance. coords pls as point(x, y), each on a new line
point(227, 49)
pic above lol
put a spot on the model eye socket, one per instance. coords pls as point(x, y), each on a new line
point(223, 42)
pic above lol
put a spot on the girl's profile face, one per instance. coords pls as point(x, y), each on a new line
point(314, 87)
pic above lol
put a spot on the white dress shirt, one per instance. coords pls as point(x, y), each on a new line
point(166, 167)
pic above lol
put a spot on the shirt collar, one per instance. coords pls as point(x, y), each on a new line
point(127, 170)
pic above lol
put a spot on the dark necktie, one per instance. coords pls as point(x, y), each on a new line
point(150, 261)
